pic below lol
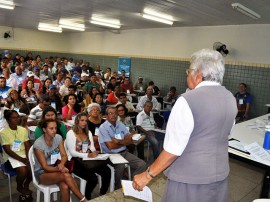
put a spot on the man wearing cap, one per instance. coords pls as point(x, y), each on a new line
point(55, 98)
point(84, 78)
point(93, 83)
point(37, 82)
point(139, 85)
point(36, 71)
point(76, 74)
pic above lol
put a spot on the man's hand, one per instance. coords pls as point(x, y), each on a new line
point(141, 180)
point(93, 154)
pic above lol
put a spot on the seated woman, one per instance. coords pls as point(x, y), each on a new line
point(45, 87)
point(50, 113)
point(99, 100)
point(80, 144)
point(30, 93)
point(71, 109)
point(46, 150)
point(16, 102)
point(16, 145)
point(93, 92)
point(94, 121)
point(122, 116)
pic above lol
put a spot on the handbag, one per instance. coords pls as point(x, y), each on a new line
point(69, 165)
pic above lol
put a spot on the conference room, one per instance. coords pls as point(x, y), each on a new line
point(157, 51)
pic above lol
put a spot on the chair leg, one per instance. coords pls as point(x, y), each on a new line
point(112, 177)
point(148, 147)
point(55, 196)
point(82, 186)
point(47, 197)
point(38, 196)
point(9, 186)
point(129, 173)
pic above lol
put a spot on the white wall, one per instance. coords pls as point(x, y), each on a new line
point(27, 39)
point(246, 43)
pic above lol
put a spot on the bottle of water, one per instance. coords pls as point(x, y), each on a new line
point(266, 143)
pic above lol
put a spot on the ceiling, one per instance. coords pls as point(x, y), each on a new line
point(28, 13)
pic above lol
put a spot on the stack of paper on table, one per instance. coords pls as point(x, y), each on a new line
point(117, 159)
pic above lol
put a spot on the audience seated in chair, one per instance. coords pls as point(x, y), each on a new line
point(113, 138)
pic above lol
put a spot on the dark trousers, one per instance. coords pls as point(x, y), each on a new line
point(90, 176)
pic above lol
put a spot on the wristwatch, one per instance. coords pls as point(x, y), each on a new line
point(119, 142)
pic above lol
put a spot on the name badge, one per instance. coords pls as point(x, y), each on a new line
point(84, 147)
point(97, 131)
point(128, 91)
point(73, 117)
point(117, 136)
point(127, 127)
point(16, 145)
point(141, 88)
point(16, 109)
point(53, 105)
point(241, 101)
point(54, 157)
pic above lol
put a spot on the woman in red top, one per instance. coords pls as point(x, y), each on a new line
point(113, 96)
point(71, 109)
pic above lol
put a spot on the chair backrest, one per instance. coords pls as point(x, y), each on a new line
point(32, 164)
point(159, 120)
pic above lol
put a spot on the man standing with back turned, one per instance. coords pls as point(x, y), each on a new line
point(195, 153)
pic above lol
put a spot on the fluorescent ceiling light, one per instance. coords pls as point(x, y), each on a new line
point(159, 17)
point(49, 27)
point(7, 4)
point(150, 17)
point(71, 25)
point(239, 7)
point(104, 22)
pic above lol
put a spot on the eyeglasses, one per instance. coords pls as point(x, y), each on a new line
point(111, 113)
point(188, 71)
point(95, 110)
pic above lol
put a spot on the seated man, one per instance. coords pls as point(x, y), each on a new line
point(36, 112)
point(243, 99)
point(126, 86)
point(123, 100)
point(148, 97)
point(145, 123)
point(113, 138)
point(172, 95)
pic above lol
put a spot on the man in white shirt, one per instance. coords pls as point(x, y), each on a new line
point(195, 153)
point(145, 123)
point(148, 97)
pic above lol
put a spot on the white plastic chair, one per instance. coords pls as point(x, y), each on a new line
point(46, 189)
point(262, 200)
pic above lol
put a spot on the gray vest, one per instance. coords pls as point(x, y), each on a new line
point(205, 158)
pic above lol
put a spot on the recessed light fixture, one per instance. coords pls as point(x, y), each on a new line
point(71, 25)
point(49, 27)
point(7, 4)
point(156, 16)
point(239, 7)
point(105, 22)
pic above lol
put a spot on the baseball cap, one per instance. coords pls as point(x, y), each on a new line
point(84, 74)
point(140, 77)
point(64, 71)
point(36, 68)
point(51, 86)
point(30, 73)
point(76, 69)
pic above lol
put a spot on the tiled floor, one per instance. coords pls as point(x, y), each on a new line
point(245, 183)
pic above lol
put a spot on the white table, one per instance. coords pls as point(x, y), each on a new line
point(248, 132)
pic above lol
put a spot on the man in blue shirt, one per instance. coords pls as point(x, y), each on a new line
point(243, 99)
point(113, 138)
point(3, 89)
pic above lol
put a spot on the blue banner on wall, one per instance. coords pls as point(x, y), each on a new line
point(124, 64)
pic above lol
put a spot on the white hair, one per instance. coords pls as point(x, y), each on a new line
point(210, 63)
point(90, 106)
